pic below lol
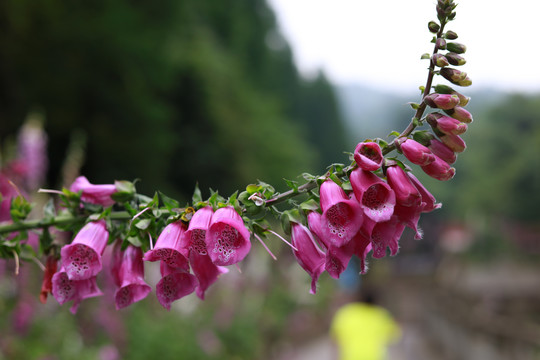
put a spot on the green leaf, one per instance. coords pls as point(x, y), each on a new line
point(292, 184)
point(425, 56)
point(197, 196)
point(168, 202)
point(135, 241)
point(310, 205)
point(394, 133)
point(143, 224)
point(27, 252)
point(252, 189)
point(125, 190)
point(20, 208)
point(415, 106)
point(49, 211)
point(45, 241)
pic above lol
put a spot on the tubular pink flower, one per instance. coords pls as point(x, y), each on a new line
point(309, 255)
point(64, 289)
point(368, 156)
point(82, 258)
point(128, 272)
point(406, 193)
point(205, 271)
point(442, 151)
point(193, 240)
point(32, 152)
point(409, 216)
point(416, 153)
point(169, 248)
point(174, 284)
point(454, 142)
point(441, 101)
point(386, 234)
point(428, 200)
point(440, 170)
point(342, 217)
point(227, 238)
point(94, 194)
point(375, 196)
point(449, 125)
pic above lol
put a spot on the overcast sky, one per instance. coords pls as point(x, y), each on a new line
point(380, 42)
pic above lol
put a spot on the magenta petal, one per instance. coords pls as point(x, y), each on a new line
point(315, 225)
point(442, 151)
point(309, 256)
point(406, 193)
point(82, 258)
point(375, 196)
point(416, 153)
point(337, 258)
point(132, 287)
point(174, 286)
point(386, 234)
point(409, 216)
point(168, 247)
point(194, 237)
point(227, 238)
point(368, 156)
point(342, 217)
point(205, 271)
point(439, 169)
point(94, 194)
point(64, 289)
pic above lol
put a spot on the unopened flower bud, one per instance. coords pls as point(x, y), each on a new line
point(441, 101)
point(459, 113)
point(455, 76)
point(433, 27)
point(415, 152)
point(442, 151)
point(439, 60)
point(450, 35)
point(454, 142)
point(441, 44)
point(455, 59)
point(456, 47)
point(448, 125)
point(439, 170)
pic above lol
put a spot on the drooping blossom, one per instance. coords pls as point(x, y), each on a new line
point(406, 193)
point(95, 194)
point(440, 170)
point(168, 248)
point(409, 216)
point(386, 234)
point(375, 196)
point(128, 273)
point(442, 151)
point(82, 258)
point(368, 156)
point(310, 257)
point(64, 289)
point(194, 241)
point(428, 200)
point(415, 152)
point(174, 284)
point(227, 238)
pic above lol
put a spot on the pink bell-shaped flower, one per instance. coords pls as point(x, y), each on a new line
point(341, 217)
point(174, 284)
point(94, 194)
point(64, 289)
point(82, 258)
point(128, 273)
point(406, 193)
point(168, 247)
point(368, 156)
point(204, 269)
point(415, 152)
point(227, 238)
point(375, 196)
point(309, 255)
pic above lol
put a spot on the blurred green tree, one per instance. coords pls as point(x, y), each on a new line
point(172, 92)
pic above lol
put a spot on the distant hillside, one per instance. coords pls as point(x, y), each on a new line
point(369, 112)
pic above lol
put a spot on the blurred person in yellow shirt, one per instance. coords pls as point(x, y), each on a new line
point(363, 330)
